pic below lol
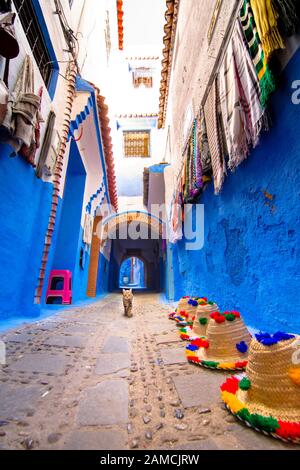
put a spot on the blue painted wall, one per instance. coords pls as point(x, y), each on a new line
point(103, 275)
point(250, 260)
point(25, 203)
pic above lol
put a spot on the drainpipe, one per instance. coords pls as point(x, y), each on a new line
point(70, 95)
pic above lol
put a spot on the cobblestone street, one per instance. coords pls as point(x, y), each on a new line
point(89, 378)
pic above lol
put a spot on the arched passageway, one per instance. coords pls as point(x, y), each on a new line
point(137, 235)
point(132, 274)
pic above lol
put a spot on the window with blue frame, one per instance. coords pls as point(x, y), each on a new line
point(34, 26)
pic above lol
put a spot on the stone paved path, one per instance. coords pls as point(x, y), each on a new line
point(89, 378)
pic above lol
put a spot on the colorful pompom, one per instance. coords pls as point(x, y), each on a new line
point(269, 424)
point(280, 336)
point(203, 321)
point(192, 347)
point(241, 365)
point(201, 343)
point(268, 340)
point(288, 430)
point(242, 347)
point(294, 374)
point(232, 401)
point(231, 385)
point(220, 319)
point(214, 315)
point(193, 359)
point(210, 364)
point(236, 314)
point(245, 384)
point(230, 317)
point(244, 414)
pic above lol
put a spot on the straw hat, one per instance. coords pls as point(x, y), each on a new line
point(226, 346)
point(267, 398)
point(186, 311)
point(182, 305)
point(202, 317)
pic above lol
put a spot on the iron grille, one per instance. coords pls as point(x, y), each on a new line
point(35, 38)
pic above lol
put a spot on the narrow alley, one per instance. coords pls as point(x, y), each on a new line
point(149, 227)
point(91, 379)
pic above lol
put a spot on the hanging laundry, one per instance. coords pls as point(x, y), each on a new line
point(243, 115)
point(196, 166)
point(205, 157)
point(29, 152)
point(187, 173)
point(20, 122)
point(266, 18)
point(214, 135)
point(44, 161)
point(88, 229)
point(288, 17)
point(263, 71)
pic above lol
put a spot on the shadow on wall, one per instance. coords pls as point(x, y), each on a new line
point(250, 260)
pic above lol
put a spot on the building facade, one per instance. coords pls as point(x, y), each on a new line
point(48, 205)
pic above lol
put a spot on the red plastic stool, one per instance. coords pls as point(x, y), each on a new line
point(59, 287)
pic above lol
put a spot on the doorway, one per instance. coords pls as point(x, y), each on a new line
point(132, 274)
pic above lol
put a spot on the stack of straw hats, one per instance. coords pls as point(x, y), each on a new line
point(226, 345)
point(182, 304)
point(186, 311)
point(198, 330)
point(268, 397)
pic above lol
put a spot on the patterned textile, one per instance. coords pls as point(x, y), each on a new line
point(265, 75)
point(203, 145)
point(175, 229)
point(288, 15)
point(214, 135)
point(240, 99)
point(266, 17)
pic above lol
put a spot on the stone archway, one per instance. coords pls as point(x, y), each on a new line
point(148, 249)
point(136, 254)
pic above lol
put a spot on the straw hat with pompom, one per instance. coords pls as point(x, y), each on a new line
point(198, 330)
point(226, 345)
point(267, 398)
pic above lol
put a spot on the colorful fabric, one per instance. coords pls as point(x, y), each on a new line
point(242, 112)
point(288, 16)
point(197, 153)
point(214, 136)
point(264, 74)
point(266, 17)
point(205, 157)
